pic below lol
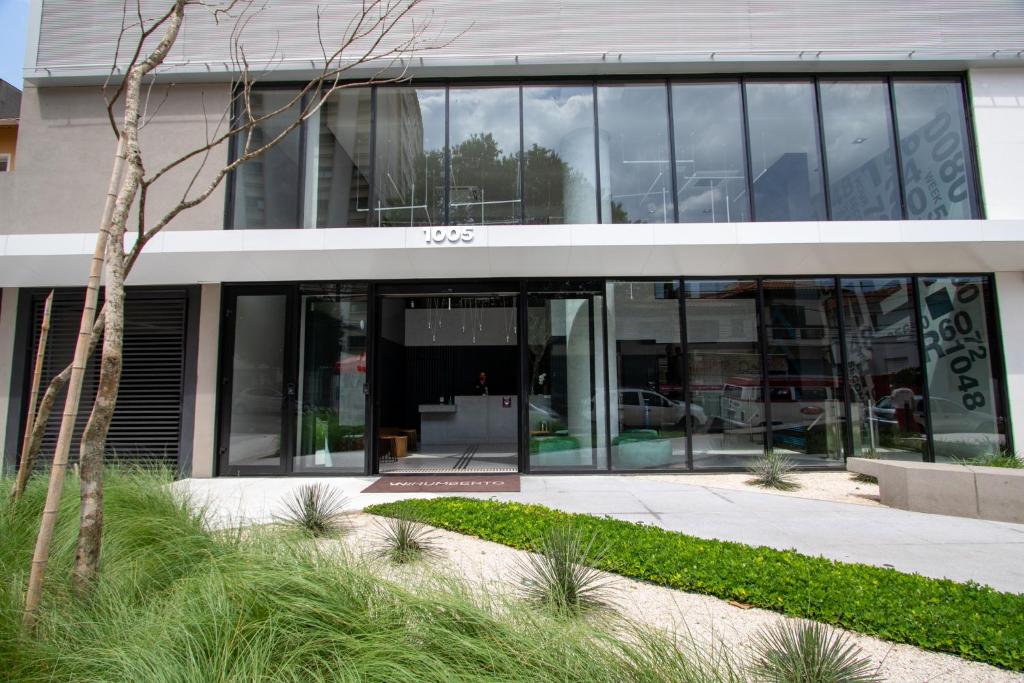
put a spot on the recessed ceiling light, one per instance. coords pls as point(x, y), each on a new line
point(858, 141)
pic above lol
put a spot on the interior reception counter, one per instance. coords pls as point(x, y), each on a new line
point(471, 419)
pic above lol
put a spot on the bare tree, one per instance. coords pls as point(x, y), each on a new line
point(26, 464)
point(382, 35)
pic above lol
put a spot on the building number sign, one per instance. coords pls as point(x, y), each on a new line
point(452, 235)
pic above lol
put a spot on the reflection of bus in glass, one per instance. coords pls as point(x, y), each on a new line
point(796, 400)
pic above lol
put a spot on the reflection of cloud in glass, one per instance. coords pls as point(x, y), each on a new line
point(856, 124)
point(635, 152)
point(479, 111)
point(558, 125)
point(432, 109)
point(549, 114)
point(711, 167)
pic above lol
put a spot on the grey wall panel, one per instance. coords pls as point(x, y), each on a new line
point(81, 36)
point(62, 179)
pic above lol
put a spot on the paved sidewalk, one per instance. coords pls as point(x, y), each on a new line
point(934, 545)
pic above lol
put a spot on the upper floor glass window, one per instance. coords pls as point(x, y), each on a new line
point(938, 179)
point(711, 159)
point(409, 157)
point(784, 155)
point(635, 164)
point(558, 146)
point(337, 186)
point(860, 150)
point(692, 150)
point(483, 127)
point(266, 189)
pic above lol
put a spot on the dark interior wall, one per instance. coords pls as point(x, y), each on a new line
point(410, 376)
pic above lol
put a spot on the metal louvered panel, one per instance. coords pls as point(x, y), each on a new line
point(79, 35)
point(147, 423)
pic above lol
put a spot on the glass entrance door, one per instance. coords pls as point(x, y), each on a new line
point(255, 382)
point(568, 397)
point(331, 420)
point(294, 379)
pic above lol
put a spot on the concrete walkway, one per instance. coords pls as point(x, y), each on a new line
point(944, 547)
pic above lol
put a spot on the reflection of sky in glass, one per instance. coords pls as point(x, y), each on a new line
point(782, 119)
point(550, 114)
point(635, 151)
point(478, 111)
point(711, 167)
point(432, 110)
point(933, 141)
point(561, 175)
point(856, 124)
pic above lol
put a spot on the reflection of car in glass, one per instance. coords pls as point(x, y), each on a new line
point(644, 408)
point(800, 400)
point(948, 417)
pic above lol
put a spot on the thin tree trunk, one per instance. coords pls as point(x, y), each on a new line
point(41, 555)
point(90, 528)
point(28, 461)
point(94, 437)
point(34, 440)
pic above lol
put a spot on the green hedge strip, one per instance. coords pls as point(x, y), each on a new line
point(972, 621)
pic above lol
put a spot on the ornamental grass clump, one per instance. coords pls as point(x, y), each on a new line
point(559, 575)
point(403, 540)
point(809, 652)
point(994, 459)
point(773, 471)
point(176, 601)
point(317, 510)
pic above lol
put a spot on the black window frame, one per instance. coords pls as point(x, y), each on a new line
point(976, 197)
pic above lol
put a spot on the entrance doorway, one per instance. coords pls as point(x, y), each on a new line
point(446, 382)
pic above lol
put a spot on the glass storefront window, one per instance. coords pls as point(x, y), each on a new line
point(859, 149)
point(887, 413)
point(257, 381)
point(647, 401)
point(337, 189)
point(804, 371)
point(409, 157)
point(938, 181)
point(266, 189)
point(332, 362)
point(484, 138)
point(635, 158)
point(963, 387)
point(711, 160)
point(725, 372)
point(784, 156)
point(560, 173)
point(567, 389)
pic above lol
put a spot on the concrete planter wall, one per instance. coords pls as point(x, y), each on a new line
point(995, 493)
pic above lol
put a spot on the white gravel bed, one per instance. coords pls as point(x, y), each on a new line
point(490, 567)
point(838, 487)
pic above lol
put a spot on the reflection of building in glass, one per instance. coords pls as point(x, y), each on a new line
point(405, 177)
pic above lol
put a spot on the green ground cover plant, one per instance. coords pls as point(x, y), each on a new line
point(969, 620)
point(178, 602)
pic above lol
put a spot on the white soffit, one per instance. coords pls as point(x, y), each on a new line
point(185, 257)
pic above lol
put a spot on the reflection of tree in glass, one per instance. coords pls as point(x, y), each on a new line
point(551, 185)
point(482, 172)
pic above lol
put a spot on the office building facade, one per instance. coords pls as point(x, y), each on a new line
point(573, 239)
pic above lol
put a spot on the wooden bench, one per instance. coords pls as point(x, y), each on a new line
point(393, 446)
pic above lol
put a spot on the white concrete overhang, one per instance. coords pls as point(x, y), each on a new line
point(549, 251)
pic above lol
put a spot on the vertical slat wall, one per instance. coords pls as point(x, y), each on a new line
point(146, 428)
